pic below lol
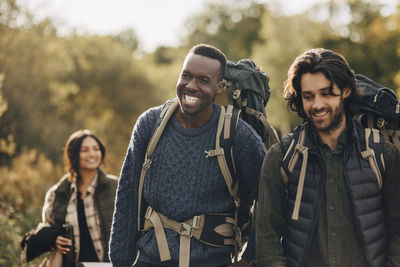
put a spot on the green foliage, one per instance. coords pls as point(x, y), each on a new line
point(128, 38)
point(276, 55)
point(72, 82)
point(369, 41)
point(54, 85)
point(232, 26)
point(23, 188)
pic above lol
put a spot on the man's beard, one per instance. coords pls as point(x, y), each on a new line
point(337, 118)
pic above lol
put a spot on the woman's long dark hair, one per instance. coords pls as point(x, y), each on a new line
point(73, 147)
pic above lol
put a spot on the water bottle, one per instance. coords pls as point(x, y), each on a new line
point(69, 258)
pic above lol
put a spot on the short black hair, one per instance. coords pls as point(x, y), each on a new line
point(211, 52)
point(335, 68)
point(73, 147)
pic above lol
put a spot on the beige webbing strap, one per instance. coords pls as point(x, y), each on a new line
point(358, 118)
point(271, 131)
point(166, 114)
point(285, 177)
point(295, 155)
point(227, 121)
point(221, 157)
point(190, 228)
point(184, 251)
point(162, 243)
point(303, 150)
point(369, 155)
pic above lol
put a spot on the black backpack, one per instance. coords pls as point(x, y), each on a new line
point(379, 109)
point(379, 112)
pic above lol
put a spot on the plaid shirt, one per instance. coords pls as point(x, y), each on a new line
point(92, 218)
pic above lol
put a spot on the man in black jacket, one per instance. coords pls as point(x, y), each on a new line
point(327, 208)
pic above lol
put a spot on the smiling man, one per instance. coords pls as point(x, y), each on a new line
point(163, 203)
point(320, 202)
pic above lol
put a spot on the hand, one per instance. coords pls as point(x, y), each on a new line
point(241, 263)
point(63, 244)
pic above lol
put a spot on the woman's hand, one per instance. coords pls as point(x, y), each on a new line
point(63, 244)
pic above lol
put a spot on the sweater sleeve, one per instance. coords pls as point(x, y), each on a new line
point(249, 152)
point(124, 233)
point(391, 198)
point(270, 211)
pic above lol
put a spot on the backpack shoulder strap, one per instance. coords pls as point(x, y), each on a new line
point(291, 151)
point(226, 130)
point(289, 161)
point(166, 113)
point(375, 132)
point(374, 152)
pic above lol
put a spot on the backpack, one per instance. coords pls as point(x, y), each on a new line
point(379, 112)
point(249, 92)
point(247, 89)
point(379, 109)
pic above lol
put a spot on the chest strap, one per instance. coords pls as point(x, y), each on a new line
point(214, 230)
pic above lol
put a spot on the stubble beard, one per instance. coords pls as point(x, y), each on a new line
point(335, 122)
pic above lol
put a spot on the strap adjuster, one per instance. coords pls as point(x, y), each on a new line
point(380, 122)
point(367, 153)
point(236, 94)
point(214, 152)
point(146, 163)
point(149, 211)
point(186, 230)
point(196, 221)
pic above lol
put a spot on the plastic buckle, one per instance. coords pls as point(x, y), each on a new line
point(149, 211)
point(228, 115)
point(237, 202)
point(380, 122)
point(236, 94)
point(147, 163)
point(186, 229)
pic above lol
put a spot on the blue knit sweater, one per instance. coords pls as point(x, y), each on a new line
point(181, 183)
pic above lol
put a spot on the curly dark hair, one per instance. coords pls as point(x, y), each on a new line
point(335, 68)
point(73, 147)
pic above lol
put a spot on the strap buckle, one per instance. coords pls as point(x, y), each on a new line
point(368, 153)
point(146, 163)
point(237, 202)
point(236, 94)
point(196, 221)
point(214, 152)
point(380, 122)
point(186, 230)
point(149, 211)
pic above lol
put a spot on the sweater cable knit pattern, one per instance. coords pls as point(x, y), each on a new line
point(180, 183)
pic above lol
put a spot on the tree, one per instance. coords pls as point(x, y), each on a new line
point(232, 26)
point(369, 40)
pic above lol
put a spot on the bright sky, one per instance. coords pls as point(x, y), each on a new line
point(156, 22)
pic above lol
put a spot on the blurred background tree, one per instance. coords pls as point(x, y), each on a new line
point(53, 84)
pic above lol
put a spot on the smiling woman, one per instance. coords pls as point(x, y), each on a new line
point(82, 201)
